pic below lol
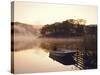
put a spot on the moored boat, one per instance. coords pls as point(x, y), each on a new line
point(63, 56)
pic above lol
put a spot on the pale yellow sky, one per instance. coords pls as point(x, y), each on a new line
point(44, 13)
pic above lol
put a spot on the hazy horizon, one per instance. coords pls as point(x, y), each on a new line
point(45, 13)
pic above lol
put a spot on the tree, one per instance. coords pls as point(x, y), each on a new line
point(67, 28)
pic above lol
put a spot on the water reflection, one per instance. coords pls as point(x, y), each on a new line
point(40, 58)
point(44, 57)
point(50, 43)
point(37, 60)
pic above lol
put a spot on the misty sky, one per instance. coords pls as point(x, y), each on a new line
point(42, 13)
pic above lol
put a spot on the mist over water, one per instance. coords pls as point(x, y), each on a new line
point(32, 55)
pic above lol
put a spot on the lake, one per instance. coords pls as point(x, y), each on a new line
point(37, 58)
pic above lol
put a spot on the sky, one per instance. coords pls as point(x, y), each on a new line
point(46, 13)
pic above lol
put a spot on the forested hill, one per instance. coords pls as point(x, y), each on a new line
point(68, 28)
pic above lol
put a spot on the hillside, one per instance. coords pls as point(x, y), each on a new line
point(23, 36)
point(23, 29)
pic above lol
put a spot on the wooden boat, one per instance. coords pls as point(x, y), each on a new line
point(62, 52)
point(63, 56)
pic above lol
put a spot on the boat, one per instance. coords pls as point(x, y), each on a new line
point(63, 56)
point(62, 52)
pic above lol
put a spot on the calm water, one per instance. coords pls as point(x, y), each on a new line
point(37, 59)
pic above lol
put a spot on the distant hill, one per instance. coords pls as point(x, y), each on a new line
point(23, 29)
point(23, 36)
